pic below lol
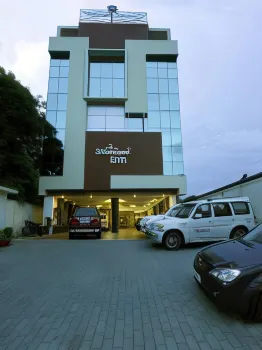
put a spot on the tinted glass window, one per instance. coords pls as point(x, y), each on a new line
point(204, 210)
point(222, 209)
point(240, 208)
point(183, 211)
point(254, 235)
point(86, 212)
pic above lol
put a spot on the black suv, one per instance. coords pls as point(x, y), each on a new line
point(85, 221)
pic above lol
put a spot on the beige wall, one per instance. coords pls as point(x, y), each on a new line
point(17, 213)
point(73, 177)
point(136, 69)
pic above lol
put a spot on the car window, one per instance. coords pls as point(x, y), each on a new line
point(85, 211)
point(240, 208)
point(173, 211)
point(222, 209)
point(183, 211)
point(204, 210)
point(254, 235)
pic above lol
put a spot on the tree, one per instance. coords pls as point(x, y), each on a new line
point(22, 129)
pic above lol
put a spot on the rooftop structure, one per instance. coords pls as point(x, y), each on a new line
point(105, 16)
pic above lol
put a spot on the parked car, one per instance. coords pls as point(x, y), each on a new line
point(144, 221)
point(231, 272)
point(203, 221)
point(85, 221)
point(137, 224)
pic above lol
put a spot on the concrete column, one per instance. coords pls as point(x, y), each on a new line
point(172, 200)
point(48, 211)
point(3, 203)
point(60, 207)
point(115, 214)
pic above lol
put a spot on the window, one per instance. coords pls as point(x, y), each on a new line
point(204, 210)
point(240, 208)
point(105, 118)
point(222, 209)
point(107, 80)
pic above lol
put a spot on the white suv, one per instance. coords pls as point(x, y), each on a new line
point(203, 221)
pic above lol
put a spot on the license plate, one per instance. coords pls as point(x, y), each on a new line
point(85, 220)
point(197, 276)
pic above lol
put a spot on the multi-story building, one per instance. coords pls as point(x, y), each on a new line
point(113, 98)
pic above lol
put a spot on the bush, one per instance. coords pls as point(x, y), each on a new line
point(6, 233)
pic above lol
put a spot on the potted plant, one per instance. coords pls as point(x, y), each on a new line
point(6, 236)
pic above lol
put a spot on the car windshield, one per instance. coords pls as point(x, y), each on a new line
point(254, 235)
point(85, 211)
point(182, 211)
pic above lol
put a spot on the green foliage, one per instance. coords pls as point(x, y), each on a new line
point(6, 234)
point(22, 129)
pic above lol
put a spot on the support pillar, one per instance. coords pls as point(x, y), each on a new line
point(48, 211)
point(115, 214)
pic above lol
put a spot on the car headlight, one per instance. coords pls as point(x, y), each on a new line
point(225, 275)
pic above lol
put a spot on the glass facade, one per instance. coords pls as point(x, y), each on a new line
point(164, 113)
point(107, 80)
point(53, 149)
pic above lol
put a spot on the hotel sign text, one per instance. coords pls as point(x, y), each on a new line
point(117, 156)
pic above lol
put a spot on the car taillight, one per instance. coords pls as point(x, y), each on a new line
point(74, 221)
point(94, 221)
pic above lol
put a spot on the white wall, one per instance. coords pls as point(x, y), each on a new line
point(17, 213)
point(252, 189)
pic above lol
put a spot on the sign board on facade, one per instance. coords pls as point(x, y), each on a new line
point(117, 156)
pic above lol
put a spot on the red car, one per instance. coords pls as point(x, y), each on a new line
point(85, 221)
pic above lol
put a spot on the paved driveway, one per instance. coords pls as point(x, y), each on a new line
point(80, 294)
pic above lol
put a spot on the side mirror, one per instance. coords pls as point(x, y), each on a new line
point(198, 216)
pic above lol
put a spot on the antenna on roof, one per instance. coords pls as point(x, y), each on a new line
point(244, 177)
point(112, 9)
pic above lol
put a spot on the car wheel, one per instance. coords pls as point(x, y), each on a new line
point(173, 241)
point(98, 235)
point(71, 235)
point(254, 312)
point(238, 232)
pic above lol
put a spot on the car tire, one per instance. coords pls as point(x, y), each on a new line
point(98, 235)
point(71, 235)
point(254, 312)
point(172, 240)
point(238, 232)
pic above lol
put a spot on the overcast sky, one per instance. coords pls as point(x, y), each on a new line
point(220, 73)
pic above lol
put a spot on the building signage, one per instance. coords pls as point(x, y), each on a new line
point(117, 156)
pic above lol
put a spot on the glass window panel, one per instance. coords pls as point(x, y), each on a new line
point(115, 129)
point(96, 110)
point(118, 70)
point(63, 85)
point(54, 63)
point(172, 73)
point(172, 65)
point(106, 70)
point(177, 154)
point(118, 88)
point(163, 86)
point(165, 119)
point(151, 64)
point(96, 122)
point(152, 86)
point(174, 102)
point(51, 117)
point(61, 135)
point(51, 102)
point(95, 70)
point(135, 123)
point(151, 72)
point(178, 168)
point(153, 102)
point(62, 102)
point(176, 137)
point(53, 85)
point(135, 130)
point(162, 64)
point(106, 87)
point(164, 102)
point(153, 129)
point(153, 119)
point(162, 73)
point(61, 120)
point(115, 121)
point(166, 137)
point(168, 168)
point(175, 119)
point(173, 86)
point(146, 123)
point(54, 72)
point(64, 63)
point(115, 110)
point(94, 87)
point(167, 154)
point(64, 71)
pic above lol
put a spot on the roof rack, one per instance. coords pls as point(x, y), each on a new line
point(219, 198)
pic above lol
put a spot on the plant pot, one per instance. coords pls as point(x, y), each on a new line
point(4, 243)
